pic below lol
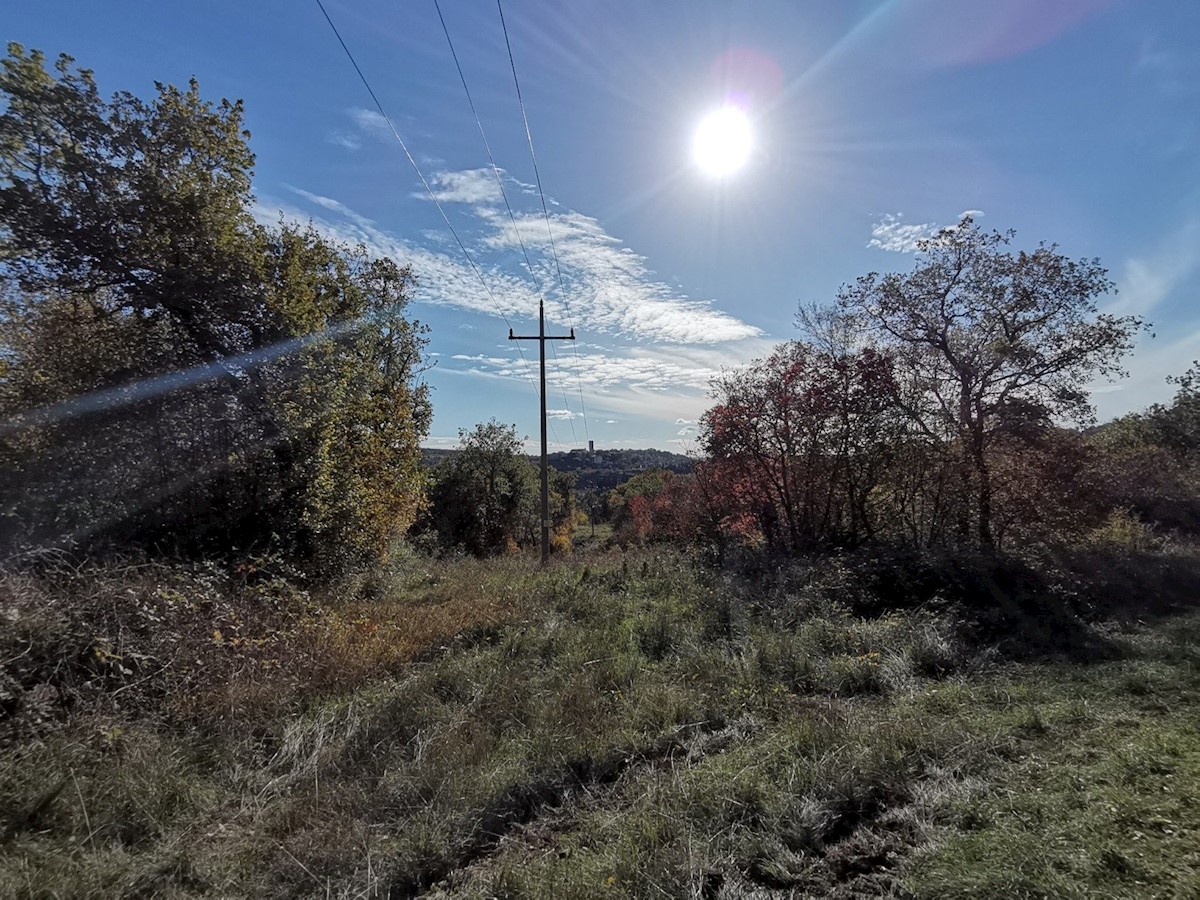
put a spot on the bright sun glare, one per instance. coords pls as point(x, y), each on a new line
point(722, 141)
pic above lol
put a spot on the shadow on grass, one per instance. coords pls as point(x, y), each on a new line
point(1027, 609)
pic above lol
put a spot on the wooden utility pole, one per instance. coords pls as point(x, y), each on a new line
point(541, 337)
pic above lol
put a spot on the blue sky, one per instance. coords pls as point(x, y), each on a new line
point(1073, 121)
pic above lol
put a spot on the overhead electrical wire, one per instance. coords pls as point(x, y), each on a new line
point(463, 247)
point(545, 211)
point(503, 193)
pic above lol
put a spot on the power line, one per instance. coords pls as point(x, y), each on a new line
point(503, 193)
point(429, 191)
point(545, 212)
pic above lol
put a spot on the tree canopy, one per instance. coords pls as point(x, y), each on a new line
point(983, 337)
point(797, 439)
point(177, 374)
point(485, 499)
point(929, 407)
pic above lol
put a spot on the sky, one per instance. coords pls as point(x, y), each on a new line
point(873, 123)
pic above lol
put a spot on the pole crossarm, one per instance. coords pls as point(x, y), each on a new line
point(541, 337)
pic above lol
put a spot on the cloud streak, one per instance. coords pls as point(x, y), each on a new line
point(344, 139)
point(1148, 280)
point(600, 371)
point(370, 122)
point(630, 380)
point(609, 286)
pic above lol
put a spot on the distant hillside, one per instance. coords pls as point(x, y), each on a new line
point(605, 469)
point(601, 469)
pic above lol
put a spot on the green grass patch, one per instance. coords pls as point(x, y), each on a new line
point(622, 725)
point(1096, 792)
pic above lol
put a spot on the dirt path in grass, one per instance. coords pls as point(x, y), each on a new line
point(857, 854)
point(529, 818)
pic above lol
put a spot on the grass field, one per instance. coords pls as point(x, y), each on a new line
point(620, 725)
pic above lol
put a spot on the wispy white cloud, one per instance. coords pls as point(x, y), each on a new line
point(441, 442)
point(662, 348)
point(363, 122)
point(477, 187)
point(1175, 71)
point(332, 205)
point(1148, 280)
point(631, 380)
point(893, 234)
point(595, 371)
point(1151, 284)
point(370, 122)
point(344, 139)
point(1147, 382)
point(609, 286)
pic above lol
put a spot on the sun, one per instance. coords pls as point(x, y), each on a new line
point(723, 141)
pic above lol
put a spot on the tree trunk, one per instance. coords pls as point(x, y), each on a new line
point(983, 484)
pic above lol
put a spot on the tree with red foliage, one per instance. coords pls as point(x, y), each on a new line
point(796, 443)
point(630, 504)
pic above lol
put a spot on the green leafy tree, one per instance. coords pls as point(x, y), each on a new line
point(1177, 427)
point(350, 402)
point(485, 498)
point(144, 203)
point(175, 373)
point(1149, 462)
